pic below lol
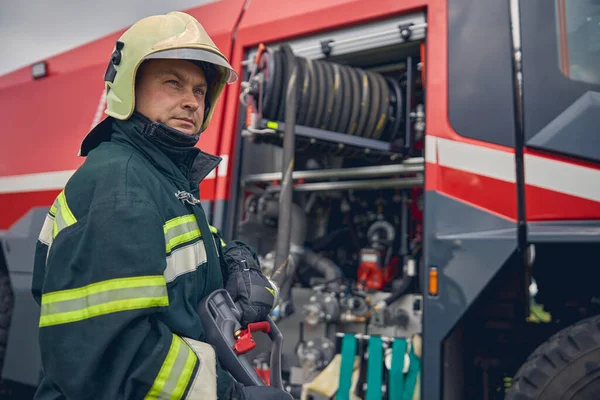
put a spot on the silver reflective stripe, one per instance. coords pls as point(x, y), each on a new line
point(204, 384)
point(46, 231)
point(185, 259)
point(180, 230)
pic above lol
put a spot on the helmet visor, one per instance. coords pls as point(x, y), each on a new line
point(229, 75)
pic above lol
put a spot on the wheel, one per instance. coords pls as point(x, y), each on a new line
point(566, 367)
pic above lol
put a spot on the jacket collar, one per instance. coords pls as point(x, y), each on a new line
point(170, 151)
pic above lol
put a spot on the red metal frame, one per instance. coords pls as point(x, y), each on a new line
point(45, 120)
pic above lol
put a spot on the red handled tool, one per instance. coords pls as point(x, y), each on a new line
point(243, 337)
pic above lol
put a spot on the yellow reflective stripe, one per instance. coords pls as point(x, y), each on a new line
point(103, 309)
point(172, 223)
point(180, 230)
point(184, 378)
point(65, 210)
point(54, 229)
point(165, 370)
point(112, 284)
point(175, 372)
point(183, 229)
point(183, 238)
point(103, 298)
point(63, 217)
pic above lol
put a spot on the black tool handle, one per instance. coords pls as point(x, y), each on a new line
point(276, 349)
point(220, 318)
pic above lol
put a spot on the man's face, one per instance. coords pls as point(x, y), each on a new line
point(172, 92)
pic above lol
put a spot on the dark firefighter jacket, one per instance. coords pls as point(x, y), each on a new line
point(122, 261)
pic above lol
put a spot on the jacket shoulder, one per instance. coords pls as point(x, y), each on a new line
point(110, 173)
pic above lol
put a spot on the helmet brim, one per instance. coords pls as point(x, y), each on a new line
point(230, 76)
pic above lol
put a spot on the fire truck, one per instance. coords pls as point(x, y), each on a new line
point(428, 171)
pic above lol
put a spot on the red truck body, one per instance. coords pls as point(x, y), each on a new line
point(45, 120)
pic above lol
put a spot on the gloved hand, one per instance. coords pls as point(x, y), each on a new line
point(249, 288)
point(240, 392)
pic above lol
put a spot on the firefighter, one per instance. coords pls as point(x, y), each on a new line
point(126, 252)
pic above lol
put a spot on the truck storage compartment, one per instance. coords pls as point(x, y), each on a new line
point(331, 184)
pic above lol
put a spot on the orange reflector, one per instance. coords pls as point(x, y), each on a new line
point(433, 281)
point(249, 111)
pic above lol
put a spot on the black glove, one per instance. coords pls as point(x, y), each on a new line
point(240, 392)
point(249, 288)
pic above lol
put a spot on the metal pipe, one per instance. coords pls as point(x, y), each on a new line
point(408, 138)
point(353, 39)
point(356, 172)
point(331, 271)
point(404, 227)
point(284, 227)
point(355, 185)
point(414, 160)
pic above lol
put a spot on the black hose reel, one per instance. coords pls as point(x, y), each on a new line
point(331, 96)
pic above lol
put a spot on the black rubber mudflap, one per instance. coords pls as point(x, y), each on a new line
point(6, 306)
point(567, 366)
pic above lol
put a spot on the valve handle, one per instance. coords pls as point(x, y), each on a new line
point(244, 340)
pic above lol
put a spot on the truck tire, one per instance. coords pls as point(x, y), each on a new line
point(6, 305)
point(567, 366)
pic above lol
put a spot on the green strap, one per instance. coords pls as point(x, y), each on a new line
point(396, 377)
point(346, 366)
point(374, 369)
point(411, 376)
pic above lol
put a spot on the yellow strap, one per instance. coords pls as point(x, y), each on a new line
point(215, 230)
